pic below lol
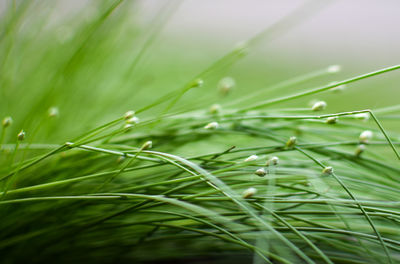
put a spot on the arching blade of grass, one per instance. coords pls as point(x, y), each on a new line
point(319, 89)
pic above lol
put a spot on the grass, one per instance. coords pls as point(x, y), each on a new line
point(175, 180)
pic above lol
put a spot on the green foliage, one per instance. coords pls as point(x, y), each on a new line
point(257, 177)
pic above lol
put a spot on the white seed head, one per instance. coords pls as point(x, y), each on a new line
point(366, 136)
point(129, 114)
point(120, 159)
point(318, 106)
point(260, 172)
point(241, 48)
point(331, 120)
point(133, 120)
point(249, 192)
point(362, 116)
point(327, 170)
point(147, 145)
point(128, 126)
point(291, 142)
point(251, 158)
point(339, 88)
point(21, 135)
point(197, 83)
point(225, 85)
point(7, 121)
point(360, 149)
point(53, 112)
point(272, 161)
point(212, 125)
point(215, 109)
point(334, 68)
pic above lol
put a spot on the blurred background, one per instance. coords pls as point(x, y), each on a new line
point(101, 58)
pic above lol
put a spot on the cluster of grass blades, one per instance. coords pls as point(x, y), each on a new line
point(181, 178)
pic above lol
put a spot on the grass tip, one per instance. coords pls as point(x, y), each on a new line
point(319, 106)
point(21, 135)
point(251, 158)
point(215, 109)
point(53, 111)
point(241, 49)
point(327, 170)
point(120, 159)
point(212, 125)
point(260, 172)
point(359, 150)
point(129, 114)
point(249, 192)
point(362, 116)
point(331, 120)
point(365, 136)
point(334, 68)
point(133, 120)
point(226, 84)
point(339, 88)
point(197, 83)
point(147, 145)
point(128, 126)
point(7, 121)
point(291, 142)
point(272, 161)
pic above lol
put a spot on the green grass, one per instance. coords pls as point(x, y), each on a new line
point(177, 183)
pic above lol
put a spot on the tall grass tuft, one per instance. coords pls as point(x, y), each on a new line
point(109, 156)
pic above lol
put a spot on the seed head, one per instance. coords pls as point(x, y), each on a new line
point(21, 135)
point(318, 106)
point(215, 109)
point(249, 192)
point(7, 121)
point(212, 125)
point(339, 88)
point(133, 120)
point(260, 172)
point(359, 150)
point(53, 112)
point(121, 159)
point(334, 68)
point(147, 145)
point(291, 142)
point(251, 158)
point(362, 116)
point(366, 136)
point(327, 170)
point(197, 83)
point(129, 114)
point(128, 126)
point(241, 49)
point(225, 85)
point(331, 120)
point(272, 161)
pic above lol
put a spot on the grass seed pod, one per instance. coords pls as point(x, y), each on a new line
point(129, 114)
point(251, 158)
point(21, 135)
point(7, 121)
point(291, 142)
point(366, 136)
point(319, 106)
point(327, 170)
point(212, 125)
point(249, 192)
point(260, 172)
